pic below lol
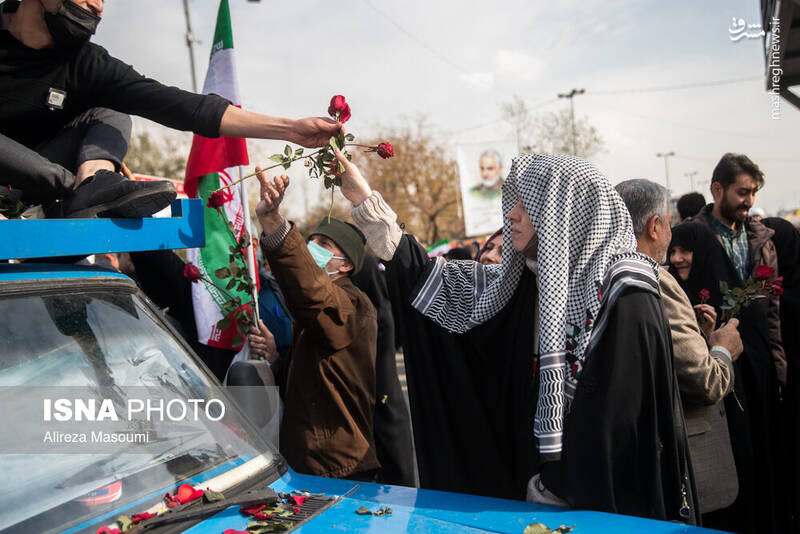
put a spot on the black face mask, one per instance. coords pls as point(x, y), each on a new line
point(71, 26)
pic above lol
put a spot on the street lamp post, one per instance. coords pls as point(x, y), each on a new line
point(691, 176)
point(666, 157)
point(190, 40)
point(571, 96)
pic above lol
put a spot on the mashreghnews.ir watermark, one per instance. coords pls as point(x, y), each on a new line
point(774, 69)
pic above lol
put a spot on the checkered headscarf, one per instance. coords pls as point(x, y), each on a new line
point(584, 229)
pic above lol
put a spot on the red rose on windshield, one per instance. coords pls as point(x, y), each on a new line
point(764, 272)
point(144, 516)
point(187, 493)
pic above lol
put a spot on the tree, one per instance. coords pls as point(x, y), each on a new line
point(420, 182)
point(164, 157)
point(551, 132)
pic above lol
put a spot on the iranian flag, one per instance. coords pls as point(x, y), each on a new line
point(213, 163)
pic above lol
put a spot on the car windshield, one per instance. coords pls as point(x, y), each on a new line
point(104, 339)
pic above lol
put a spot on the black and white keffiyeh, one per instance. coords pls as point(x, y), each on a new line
point(584, 235)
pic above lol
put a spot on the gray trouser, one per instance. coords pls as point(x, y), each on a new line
point(47, 172)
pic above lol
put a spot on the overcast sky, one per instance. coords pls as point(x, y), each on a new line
point(456, 62)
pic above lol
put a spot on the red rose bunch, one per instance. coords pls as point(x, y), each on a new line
point(704, 295)
point(339, 109)
point(192, 273)
point(762, 284)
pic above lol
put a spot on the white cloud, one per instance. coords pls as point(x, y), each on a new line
point(517, 64)
point(481, 80)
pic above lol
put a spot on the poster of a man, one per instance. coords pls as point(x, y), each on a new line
point(490, 165)
point(482, 168)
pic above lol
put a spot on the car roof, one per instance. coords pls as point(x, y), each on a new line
point(56, 274)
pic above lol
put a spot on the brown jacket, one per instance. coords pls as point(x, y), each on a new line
point(762, 252)
point(330, 391)
point(704, 378)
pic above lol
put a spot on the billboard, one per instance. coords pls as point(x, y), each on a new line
point(482, 168)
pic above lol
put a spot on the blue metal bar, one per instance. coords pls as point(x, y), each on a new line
point(47, 238)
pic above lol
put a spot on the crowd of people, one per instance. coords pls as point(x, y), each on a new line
point(590, 355)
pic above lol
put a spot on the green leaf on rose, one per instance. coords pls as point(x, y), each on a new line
point(277, 158)
point(328, 182)
point(223, 272)
point(287, 151)
point(230, 285)
point(287, 165)
point(349, 137)
point(334, 144)
point(242, 327)
point(307, 163)
point(298, 152)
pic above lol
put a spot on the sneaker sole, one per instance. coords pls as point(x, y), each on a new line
point(134, 205)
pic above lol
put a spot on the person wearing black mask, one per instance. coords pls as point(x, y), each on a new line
point(699, 262)
point(60, 139)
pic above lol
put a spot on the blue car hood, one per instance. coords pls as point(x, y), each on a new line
point(419, 510)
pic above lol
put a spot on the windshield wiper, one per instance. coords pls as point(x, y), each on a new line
point(312, 506)
point(205, 509)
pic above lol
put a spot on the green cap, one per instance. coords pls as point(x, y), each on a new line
point(347, 237)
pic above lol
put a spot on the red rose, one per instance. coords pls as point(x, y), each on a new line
point(385, 150)
point(295, 509)
point(778, 281)
point(216, 200)
point(234, 531)
point(704, 294)
point(777, 291)
point(298, 499)
point(108, 530)
point(192, 273)
point(187, 493)
point(261, 516)
point(144, 516)
point(339, 107)
point(764, 272)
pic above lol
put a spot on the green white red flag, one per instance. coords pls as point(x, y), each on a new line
point(213, 163)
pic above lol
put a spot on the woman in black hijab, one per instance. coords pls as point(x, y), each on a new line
point(787, 244)
point(752, 407)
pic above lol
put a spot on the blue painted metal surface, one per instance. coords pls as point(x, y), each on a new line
point(417, 510)
point(46, 238)
point(40, 271)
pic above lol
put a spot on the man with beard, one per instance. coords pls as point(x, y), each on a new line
point(747, 243)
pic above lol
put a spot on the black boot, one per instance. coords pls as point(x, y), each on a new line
point(109, 194)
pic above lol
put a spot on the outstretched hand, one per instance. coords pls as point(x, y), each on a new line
point(354, 187)
point(271, 193)
point(313, 132)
